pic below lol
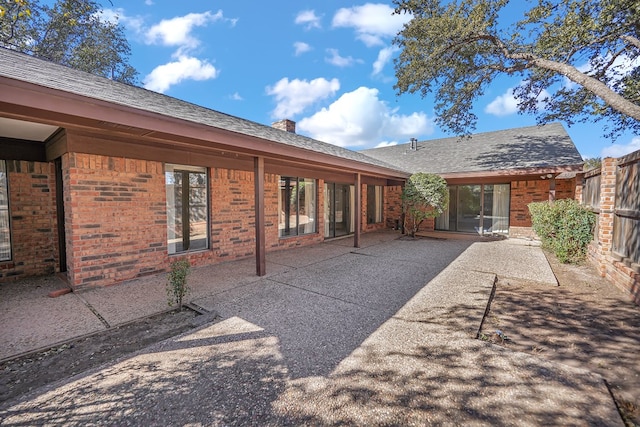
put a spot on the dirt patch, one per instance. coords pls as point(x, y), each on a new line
point(584, 322)
point(23, 374)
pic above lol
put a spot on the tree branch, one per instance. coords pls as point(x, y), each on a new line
point(616, 101)
point(631, 40)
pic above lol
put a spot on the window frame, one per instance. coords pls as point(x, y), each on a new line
point(186, 203)
point(377, 217)
point(287, 183)
point(6, 208)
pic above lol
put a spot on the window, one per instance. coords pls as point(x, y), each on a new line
point(5, 230)
point(187, 209)
point(374, 204)
point(297, 206)
point(479, 208)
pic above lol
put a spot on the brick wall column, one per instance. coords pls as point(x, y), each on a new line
point(579, 184)
point(607, 205)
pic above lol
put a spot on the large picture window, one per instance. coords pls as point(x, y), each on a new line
point(374, 204)
point(5, 230)
point(187, 208)
point(296, 206)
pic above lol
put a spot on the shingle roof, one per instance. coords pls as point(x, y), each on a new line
point(520, 148)
point(26, 68)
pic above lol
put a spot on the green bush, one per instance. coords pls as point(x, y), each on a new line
point(177, 281)
point(564, 226)
point(424, 195)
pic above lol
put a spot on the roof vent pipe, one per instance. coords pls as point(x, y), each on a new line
point(414, 144)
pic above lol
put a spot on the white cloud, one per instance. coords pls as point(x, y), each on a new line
point(308, 18)
point(507, 103)
point(177, 31)
point(339, 61)
point(372, 22)
point(294, 96)
point(148, 2)
point(361, 119)
point(301, 48)
point(619, 150)
point(503, 105)
point(386, 144)
point(164, 76)
point(236, 97)
point(384, 56)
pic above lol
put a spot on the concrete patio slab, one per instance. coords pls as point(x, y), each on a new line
point(403, 375)
point(304, 256)
point(454, 302)
point(509, 259)
point(315, 332)
point(30, 319)
point(376, 336)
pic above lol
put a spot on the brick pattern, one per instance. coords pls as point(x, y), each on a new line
point(232, 214)
point(523, 193)
point(34, 232)
point(392, 205)
point(600, 249)
point(115, 214)
point(566, 188)
point(376, 226)
point(115, 218)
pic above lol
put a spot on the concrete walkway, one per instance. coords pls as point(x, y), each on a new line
point(381, 335)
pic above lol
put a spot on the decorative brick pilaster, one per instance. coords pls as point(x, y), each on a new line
point(607, 206)
point(579, 180)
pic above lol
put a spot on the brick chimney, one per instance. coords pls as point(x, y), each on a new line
point(285, 125)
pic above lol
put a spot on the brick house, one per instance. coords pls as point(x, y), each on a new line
point(105, 182)
point(493, 176)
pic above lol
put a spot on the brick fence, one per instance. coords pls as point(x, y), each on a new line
point(613, 192)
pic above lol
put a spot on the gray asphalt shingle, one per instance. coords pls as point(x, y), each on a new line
point(26, 68)
point(520, 148)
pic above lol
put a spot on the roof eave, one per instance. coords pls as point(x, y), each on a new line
point(63, 108)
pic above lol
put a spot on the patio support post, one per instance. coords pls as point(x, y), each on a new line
point(258, 177)
point(358, 215)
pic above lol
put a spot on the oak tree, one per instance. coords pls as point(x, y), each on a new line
point(579, 60)
point(71, 32)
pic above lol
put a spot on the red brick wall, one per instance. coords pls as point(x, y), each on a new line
point(523, 193)
point(34, 232)
point(376, 226)
point(392, 205)
point(600, 249)
point(232, 213)
point(115, 218)
point(115, 214)
point(566, 188)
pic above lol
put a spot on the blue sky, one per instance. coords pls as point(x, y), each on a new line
point(326, 65)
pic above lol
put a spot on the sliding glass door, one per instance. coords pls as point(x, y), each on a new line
point(338, 209)
point(477, 208)
point(468, 208)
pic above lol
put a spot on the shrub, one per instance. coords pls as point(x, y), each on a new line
point(424, 196)
point(565, 227)
point(177, 281)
